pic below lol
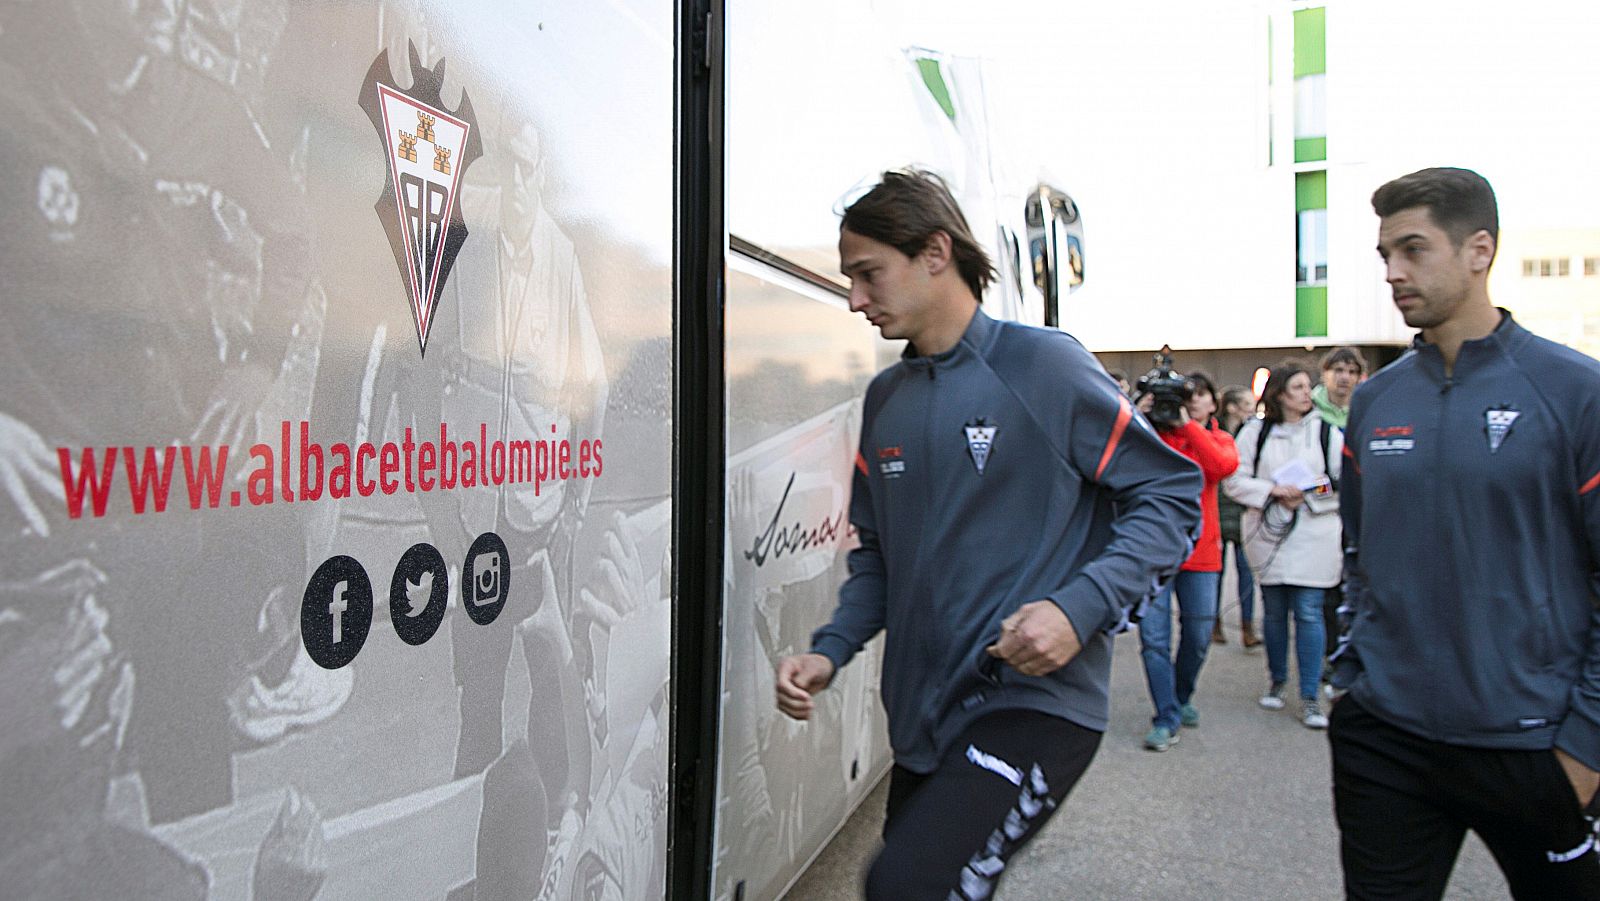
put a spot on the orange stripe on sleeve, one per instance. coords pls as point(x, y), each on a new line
point(1590, 485)
point(1352, 457)
point(1124, 416)
point(861, 463)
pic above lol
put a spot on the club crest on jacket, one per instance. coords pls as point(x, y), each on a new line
point(980, 441)
point(1497, 423)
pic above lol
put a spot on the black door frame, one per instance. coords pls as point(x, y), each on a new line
point(699, 453)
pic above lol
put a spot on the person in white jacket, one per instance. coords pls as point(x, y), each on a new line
point(1291, 527)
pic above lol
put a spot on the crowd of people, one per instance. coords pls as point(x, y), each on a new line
point(1271, 465)
point(1465, 679)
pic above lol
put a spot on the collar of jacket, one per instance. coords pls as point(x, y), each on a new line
point(980, 331)
point(1506, 338)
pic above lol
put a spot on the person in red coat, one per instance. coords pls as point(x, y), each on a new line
point(1172, 686)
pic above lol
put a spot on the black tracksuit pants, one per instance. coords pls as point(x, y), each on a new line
point(1404, 804)
point(949, 833)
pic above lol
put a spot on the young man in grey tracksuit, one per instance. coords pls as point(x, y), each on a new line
point(1012, 507)
point(1471, 505)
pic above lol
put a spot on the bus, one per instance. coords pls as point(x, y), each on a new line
point(425, 424)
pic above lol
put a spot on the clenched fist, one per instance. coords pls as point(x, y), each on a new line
point(800, 677)
point(1036, 640)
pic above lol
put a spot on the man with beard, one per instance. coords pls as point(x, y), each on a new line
point(1471, 505)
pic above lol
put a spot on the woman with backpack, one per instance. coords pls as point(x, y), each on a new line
point(1287, 482)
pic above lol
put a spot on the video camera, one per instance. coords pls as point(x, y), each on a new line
point(1169, 390)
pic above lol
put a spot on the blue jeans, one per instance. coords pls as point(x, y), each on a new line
point(1197, 611)
point(1307, 606)
point(1247, 584)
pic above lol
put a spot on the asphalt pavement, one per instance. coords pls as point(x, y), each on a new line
point(1240, 808)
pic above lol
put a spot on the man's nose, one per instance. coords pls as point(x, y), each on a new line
point(858, 298)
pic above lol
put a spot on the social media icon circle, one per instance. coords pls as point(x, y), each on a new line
point(418, 594)
point(336, 612)
point(486, 578)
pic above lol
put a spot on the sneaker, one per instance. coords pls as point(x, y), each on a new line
point(1189, 716)
point(1160, 738)
point(307, 696)
point(1311, 714)
point(1273, 699)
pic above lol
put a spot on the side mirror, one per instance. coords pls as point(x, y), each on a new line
point(1055, 242)
point(1009, 261)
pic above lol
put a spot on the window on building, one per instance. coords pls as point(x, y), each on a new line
point(1311, 244)
point(1557, 267)
point(1311, 106)
point(1591, 265)
point(1310, 85)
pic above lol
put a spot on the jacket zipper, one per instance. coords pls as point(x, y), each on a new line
point(1438, 517)
point(929, 708)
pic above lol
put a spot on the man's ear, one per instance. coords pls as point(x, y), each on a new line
point(1480, 250)
point(938, 252)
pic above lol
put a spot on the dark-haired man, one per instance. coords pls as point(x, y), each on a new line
point(1011, 507)
point(1471, 504)
point(1342, 370)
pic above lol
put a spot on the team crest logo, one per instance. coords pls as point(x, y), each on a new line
point(1497, 423)
point(428, 148)
point(980, 440)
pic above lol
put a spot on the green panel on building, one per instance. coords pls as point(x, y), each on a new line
point(1310, 150)
point(1311, 312)
point(934, 79)
point(1310, 191)
point(1310, 42)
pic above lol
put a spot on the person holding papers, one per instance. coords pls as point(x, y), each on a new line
point(1287, 482)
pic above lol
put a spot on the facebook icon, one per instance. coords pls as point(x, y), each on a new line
point(336, 609)
point(336, 613)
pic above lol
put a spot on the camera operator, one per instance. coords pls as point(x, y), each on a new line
point(1181, 408)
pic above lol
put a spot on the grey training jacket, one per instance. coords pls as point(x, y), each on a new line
point(1004, 471)
point(1471, 508)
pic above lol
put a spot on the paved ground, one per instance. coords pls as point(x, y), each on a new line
point(1241, 808)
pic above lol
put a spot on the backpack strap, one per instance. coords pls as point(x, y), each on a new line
point(1323, 435)
point(1261, 442)
point(1327, 459)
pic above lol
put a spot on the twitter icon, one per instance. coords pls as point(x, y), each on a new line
point(418, 594)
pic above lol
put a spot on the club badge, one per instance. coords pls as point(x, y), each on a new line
point(1497, 423)
point(428, 148)
point(980, 441)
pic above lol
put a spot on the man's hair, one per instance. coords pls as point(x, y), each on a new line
point(904, 210)
point(1277, 383)
point(1344, 354)
point(1459, 201)
point(1202, 382)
